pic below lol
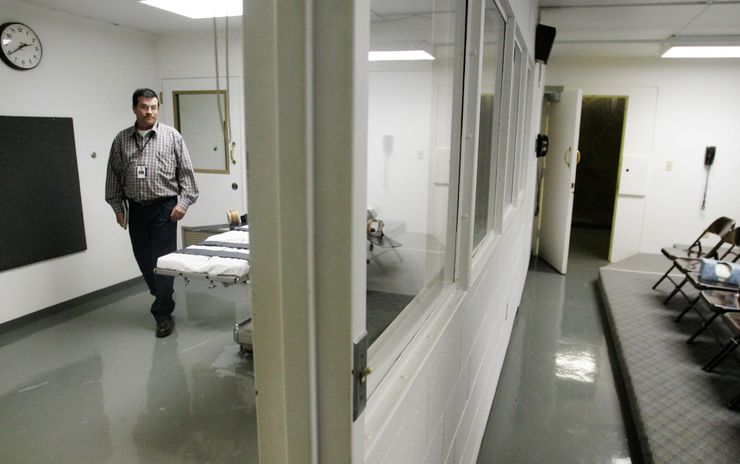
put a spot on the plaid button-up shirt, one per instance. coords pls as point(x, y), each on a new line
point(161, 156)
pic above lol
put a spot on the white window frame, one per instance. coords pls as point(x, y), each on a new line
point(484, 248)
point(514, 124)
point(385, 351)
point(503, 211)
point(521, 117)
point(527, 142)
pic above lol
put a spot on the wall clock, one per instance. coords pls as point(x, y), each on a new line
point(20, 47)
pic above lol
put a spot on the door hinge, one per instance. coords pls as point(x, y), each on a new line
point(360, 371)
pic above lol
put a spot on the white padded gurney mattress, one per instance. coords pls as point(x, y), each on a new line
point(225, 254)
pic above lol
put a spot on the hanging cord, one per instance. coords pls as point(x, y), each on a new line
point(225, 124)
point(706, 187)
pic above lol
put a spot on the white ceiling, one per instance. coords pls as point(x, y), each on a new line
point(634, 28)
point(585, 28)
point(128, 13)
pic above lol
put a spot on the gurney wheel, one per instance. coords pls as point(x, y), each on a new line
point(244, 351)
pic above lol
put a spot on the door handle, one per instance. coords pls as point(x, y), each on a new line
point(567, 156)
point(232, 147)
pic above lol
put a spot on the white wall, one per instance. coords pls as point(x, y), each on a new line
point(191, 54)
point(186, 61)
point(688, 105)
point(88, 72)
point(398, 179)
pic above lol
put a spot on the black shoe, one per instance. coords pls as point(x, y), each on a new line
point(164, 327)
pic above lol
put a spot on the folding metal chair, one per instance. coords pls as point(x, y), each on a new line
point(719, 301)
point(719, 227)
point(732, 404)
point(732, 320)
point(725, 250)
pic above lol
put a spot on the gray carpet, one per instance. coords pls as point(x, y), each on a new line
point(678, 409)
point(382, 309)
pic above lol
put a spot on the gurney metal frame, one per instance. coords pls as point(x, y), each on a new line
point(242, 330)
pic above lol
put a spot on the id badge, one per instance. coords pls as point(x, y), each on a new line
point(141, 172)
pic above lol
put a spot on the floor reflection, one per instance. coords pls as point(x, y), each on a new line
point(50, 410)
point(557, 390)
point(575, 361)
point(93, 385)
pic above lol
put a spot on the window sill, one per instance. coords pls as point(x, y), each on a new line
point(393, 388)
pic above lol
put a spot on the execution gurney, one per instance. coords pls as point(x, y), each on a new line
point(222, 258)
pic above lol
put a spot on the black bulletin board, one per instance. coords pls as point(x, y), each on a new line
point(40, 204)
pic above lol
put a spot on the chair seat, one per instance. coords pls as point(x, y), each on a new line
point(680, 251)
point(733, 322)
point(688, 265)
point(728, 240)
point(723, 301)
point(716, 287)
point(719, 302)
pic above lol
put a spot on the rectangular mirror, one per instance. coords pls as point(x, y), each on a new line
point(200, 120)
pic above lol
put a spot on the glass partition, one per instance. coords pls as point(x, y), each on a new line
point(412, 129)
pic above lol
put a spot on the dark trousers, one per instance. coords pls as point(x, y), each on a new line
point(154, 234)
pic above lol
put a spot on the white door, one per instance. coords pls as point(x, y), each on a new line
point(560, 179)
point(219, 192)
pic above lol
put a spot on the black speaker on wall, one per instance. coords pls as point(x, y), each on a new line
point(543, 40)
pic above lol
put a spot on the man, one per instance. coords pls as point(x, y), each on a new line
point(151, 178)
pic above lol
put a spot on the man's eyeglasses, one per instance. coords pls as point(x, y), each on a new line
point(150, 107)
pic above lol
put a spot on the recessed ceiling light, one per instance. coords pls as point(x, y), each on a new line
point(399, 55)
point(197, 9)
point(702, 51)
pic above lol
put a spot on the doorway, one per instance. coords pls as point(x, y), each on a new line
point(600, 148)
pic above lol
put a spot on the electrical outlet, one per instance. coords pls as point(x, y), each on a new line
point(669, 165)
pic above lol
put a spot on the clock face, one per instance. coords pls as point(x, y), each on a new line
point(20, 47)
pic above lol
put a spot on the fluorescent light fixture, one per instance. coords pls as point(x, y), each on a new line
point(197, 9)
point(399, 55)
point(703, 51)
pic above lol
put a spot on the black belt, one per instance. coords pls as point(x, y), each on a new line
point(151, 202)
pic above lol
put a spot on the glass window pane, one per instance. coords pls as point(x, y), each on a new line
point(197, 116)
point(493, 43)
point(410, 125)
point(525, 127)
point(511, 159)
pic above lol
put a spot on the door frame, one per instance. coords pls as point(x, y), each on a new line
point(619, 159)
point(637, 141)
point(306, 119)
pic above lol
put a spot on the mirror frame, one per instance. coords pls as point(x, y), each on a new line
point(177, 117)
